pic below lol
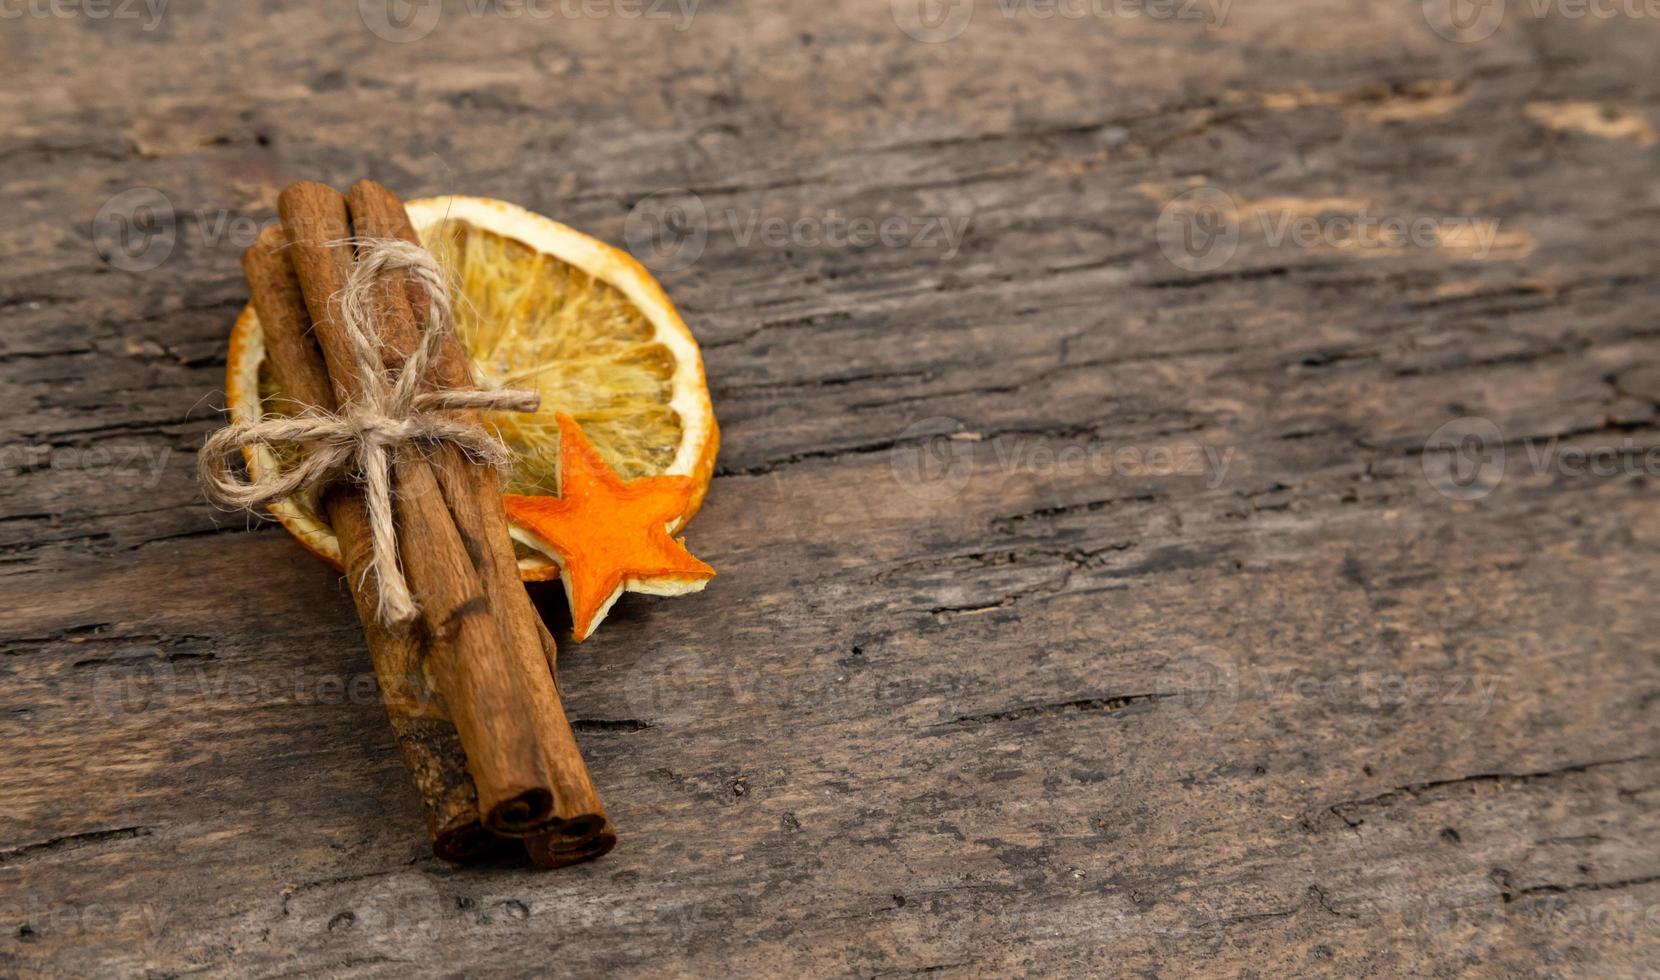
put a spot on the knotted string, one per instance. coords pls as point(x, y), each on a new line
point(394, 408)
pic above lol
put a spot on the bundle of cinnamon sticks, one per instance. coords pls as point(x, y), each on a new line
point(470, 686)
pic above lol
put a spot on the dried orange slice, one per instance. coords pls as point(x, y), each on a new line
point(542, 306)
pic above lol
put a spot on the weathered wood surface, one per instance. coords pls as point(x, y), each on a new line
point(930, 717)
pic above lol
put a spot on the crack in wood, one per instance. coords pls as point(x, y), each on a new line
point(626, 725)
point(72, 842)
point(1580, 886)
point(1348, 810)
point(1101, 705)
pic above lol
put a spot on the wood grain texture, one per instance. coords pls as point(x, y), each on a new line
point(940, 713)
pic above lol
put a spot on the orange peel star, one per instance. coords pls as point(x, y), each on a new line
point(609, 537)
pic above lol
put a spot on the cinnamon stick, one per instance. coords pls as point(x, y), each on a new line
point(558, 850)
point(427, 739)
point(475, 664)
point(580, 828)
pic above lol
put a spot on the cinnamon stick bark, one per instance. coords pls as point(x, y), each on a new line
point(495, 705)
point(427, 738)
point(580, 829)
point(560, 851)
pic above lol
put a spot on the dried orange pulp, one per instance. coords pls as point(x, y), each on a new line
point(541, 306)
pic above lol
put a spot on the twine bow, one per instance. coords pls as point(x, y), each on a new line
point(394, 409)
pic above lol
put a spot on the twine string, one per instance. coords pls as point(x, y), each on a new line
point(395, 408)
